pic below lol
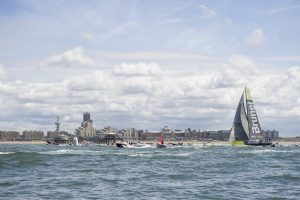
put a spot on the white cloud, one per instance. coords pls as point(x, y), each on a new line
point(45, 92)
point(135, 95)
point(156, 55)
point(137, 69)
point(71, 58)
point(255, 38)
point(2, 72)
point(137, 85)
point(294, 73)
point(95, 80)
point(227, 77)
point(284, 59)
point(242, 61)
point(235, 73)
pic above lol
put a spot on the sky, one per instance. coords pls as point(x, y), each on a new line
point(147, 64)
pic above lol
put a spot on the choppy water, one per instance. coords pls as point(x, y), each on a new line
point(188, 172)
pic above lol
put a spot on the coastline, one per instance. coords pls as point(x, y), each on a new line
point(23, 142)
point(189, 142)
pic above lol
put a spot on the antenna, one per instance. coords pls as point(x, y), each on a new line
point(57, 125)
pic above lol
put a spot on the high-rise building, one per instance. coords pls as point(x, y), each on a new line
point(33, 135)
point(9, 135)
point(86, 116)
point(130, 134)
point(86, 129)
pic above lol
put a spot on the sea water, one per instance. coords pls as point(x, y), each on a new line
point(179, 172)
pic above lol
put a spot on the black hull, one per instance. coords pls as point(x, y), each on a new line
point(174, 144)
point(258, 143)
point(120, 145)
point(161, 146)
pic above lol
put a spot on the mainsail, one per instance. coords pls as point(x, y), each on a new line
point(255, 132)
point(240, 130)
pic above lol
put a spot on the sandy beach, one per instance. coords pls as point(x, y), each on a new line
point(23, 142)
point(191, 142)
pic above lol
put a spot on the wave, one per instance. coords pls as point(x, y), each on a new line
point(6, 153)
point(160, 155)
point(281, 177)
point(70, 152)
point(140, 155)
point(183, 154)
point(265, 151)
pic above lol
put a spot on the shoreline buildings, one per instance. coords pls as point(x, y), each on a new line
point(132, 134)
point(86, 129)
point(109, 134)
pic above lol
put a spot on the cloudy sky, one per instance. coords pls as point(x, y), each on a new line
point(147, 64)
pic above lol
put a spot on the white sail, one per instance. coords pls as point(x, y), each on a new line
point(231, 136)
point(255, 131)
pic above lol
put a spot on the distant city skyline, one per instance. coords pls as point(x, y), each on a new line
point(147, 64)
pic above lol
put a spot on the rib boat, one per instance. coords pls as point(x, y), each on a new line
point(120, 145)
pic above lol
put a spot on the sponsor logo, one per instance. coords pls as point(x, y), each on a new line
point(254, 120)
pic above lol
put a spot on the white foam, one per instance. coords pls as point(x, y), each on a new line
point(183, 154)
point(70, 151)
point(140, 155)
point(262, 151)
point(147, 146)
point(6, 153)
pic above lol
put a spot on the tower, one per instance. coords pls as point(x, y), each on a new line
point(86, 116)
point(86, 129)
point(57, 125)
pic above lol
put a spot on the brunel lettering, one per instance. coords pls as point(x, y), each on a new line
point(253, 115)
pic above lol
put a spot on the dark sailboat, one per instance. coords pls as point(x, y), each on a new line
point(246, 129)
